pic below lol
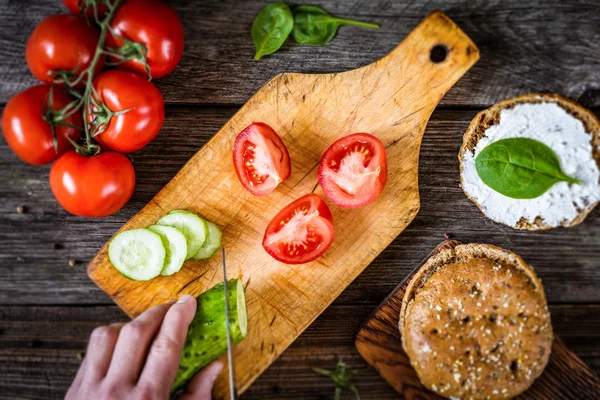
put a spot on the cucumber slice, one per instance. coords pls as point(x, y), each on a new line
point(175, 247)
point(137, 254)
point(192, 226)
point(207, 335)
point(212, 243)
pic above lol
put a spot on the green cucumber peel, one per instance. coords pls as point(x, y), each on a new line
point(212, 243)
point(207, 335)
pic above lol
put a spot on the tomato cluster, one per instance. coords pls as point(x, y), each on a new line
point(352, 173)
point(84, 114)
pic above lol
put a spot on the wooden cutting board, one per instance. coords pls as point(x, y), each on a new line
point(393, 99)
point(379, 343)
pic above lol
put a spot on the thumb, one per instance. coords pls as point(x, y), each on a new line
point(200, 387)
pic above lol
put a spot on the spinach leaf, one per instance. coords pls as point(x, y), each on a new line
point(314, 26)
point(270, 28)
point(520, 168)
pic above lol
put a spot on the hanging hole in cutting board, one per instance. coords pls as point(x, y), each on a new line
point(438, 53)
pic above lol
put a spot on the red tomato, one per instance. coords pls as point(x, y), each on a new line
point(301, 232)
point(63, 42)
point(261, 159)
point(74, 7)
point(124, 90)
point(154, 24)
point(26, 131)
point(353, 170)
point(94, 186)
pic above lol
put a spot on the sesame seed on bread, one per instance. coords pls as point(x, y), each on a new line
point(491, 116)
point(475, 323)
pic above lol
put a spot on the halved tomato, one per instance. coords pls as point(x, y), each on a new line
point(261, 159)
point(353, 170)
point(301, 232)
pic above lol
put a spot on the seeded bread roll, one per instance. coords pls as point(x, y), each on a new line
point(475, 323)
point(491, 116)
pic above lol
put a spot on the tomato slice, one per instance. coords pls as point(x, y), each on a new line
point(261, 159)
point(353, 170)
point(301, 232)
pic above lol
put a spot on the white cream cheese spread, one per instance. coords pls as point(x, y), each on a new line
point(552, 125)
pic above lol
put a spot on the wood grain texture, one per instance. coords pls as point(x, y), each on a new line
point(526, 46)
point(540, 45)
point(566, 259)
point(39, 346)
point(392, 99)
point(380, 344)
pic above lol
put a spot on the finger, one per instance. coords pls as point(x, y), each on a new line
point(77, 381)
point(163, 360)
point(200, 387)
point(72, 392)
point(133, 344)
point(83, 365)
point(99, 353)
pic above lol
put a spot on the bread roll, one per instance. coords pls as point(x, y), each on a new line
point(475, 323)
point(491, 117)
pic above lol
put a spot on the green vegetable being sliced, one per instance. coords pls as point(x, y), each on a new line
point(175, 247)
point(193, 228)
point(270, 28)
point(207, 335)
point(520, 168)
point(138, 254)
point(315, 26)
point(212, 243)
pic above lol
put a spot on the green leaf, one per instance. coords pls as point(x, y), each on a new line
point(322, 371)
point(520, 168)
point(270, 28)
point(342, 378)
point(314, 26)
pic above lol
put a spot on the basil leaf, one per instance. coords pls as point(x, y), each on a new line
point(314, 26)
point(270, 28)
point(520, 168)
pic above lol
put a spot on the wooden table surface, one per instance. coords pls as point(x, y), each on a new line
point(48, 308)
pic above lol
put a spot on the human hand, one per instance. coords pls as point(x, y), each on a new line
point(140, 359)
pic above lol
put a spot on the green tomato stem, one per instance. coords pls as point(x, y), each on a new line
point(87, 94)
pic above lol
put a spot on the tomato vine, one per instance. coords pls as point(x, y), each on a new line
point(96, 114)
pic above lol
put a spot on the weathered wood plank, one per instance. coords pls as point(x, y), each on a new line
point(39, 346)
point(33, 271)
point(538, 46)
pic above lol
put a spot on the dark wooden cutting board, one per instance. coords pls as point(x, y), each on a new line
point(379, 343)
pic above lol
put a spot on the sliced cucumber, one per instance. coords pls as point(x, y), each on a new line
point(206, 339)
point(175, 247)
point(193, 228)
point(212, 243)
point(138, 254)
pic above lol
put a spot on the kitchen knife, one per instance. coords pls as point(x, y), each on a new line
point(232, 390)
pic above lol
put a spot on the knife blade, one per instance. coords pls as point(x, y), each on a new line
point(232, 389)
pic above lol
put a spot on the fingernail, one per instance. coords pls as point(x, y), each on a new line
point(217, 370)
point(184, 299)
